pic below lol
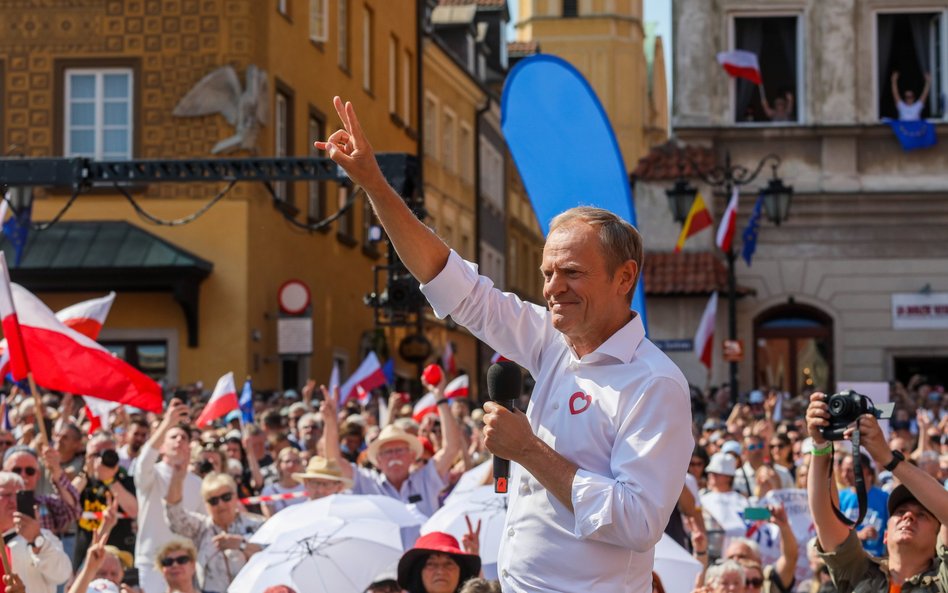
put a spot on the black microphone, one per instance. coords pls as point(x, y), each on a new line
point(504, 383)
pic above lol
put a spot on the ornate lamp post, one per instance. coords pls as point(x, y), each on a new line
point(776, 205)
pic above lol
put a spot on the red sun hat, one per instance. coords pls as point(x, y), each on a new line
point(436, 542)
point(432, 374)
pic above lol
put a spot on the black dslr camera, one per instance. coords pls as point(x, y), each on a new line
point(109, 458)
point(845, 408)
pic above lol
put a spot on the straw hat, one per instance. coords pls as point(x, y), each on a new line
point(390, 434)
point(323, 469)
point(434, 542)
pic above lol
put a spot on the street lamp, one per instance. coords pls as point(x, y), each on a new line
point(776, 202)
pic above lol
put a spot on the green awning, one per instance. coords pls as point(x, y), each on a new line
point(88, 256)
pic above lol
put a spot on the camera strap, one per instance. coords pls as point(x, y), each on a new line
point(860, 486)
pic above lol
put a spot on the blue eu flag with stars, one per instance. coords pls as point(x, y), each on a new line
point(750, 233)
point(246, 402)
point(17, 230)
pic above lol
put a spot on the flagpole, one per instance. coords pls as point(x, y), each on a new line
point(38, 404)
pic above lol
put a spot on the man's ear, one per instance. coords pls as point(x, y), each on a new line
point(626, 275)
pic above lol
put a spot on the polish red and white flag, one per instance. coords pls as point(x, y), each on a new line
point(368, 376)
point(448, 363)
point(428, 404)
point(728, 221)
point(223, 401)
point(741, 64)
point(704, 337)
point(63, 359)
point(86, 317)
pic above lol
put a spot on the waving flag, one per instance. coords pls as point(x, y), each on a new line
point(704, 336)
point(17, 230)
point(698, 219)
point(86, 317)
point(428, 404)
point(223, 401)
point(5, 422)
point(334, 376)
point(368, 376)
point(246, 402)
point(725, 235)
point(63, 359)
point(98, 411)
point(741, 64)
point(750, 232)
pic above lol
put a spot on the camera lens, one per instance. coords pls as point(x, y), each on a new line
point(841, 406)
point(110, 458)
point(205, 467)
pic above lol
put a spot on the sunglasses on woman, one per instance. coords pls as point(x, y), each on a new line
point(182, 560)
point(29, 471)
point(227, 497)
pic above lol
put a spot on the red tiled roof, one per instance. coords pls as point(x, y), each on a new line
point(662, 162)
point(488, 3)
point(517, 48)
point(687, 273)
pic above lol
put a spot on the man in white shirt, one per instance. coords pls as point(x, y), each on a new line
point(36, 554)
point(601, 454)
point(172, 440)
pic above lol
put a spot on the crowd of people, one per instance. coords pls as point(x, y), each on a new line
point(153, 504)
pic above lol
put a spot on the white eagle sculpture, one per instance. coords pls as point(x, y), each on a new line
point(246, 109)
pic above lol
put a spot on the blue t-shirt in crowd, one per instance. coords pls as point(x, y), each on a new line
point(877, 515)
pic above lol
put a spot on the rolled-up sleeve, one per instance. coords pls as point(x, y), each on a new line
point(652, 444)
point(446, 290)
point(52, 561)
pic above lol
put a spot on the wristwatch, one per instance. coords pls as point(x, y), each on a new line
point(38, 543)
point(897, 458)
point(243, 546)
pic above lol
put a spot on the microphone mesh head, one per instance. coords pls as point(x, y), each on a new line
point(504, 381)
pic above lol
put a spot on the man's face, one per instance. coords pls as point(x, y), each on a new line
point(26, 466)
point(7, 505)
point(289, 462)
point(317, 488)
point(137, 437)
point(911, 523)
point(738, 551)
point(909, 97)
point(847, 473)
point(395, 459)
point(232, 450)
point(67, 441)
point(583, 296)
point(176, 444)
point(310, 430)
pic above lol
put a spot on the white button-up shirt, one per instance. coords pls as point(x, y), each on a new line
point(621, 413)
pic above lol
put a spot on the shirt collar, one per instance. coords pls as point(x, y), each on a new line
point(621, 345)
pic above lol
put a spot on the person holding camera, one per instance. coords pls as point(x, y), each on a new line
point(918, 511)
point(101, 481)
point(171, 440)
point(36, 554)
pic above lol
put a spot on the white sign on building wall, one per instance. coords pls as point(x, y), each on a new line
point(915, 310)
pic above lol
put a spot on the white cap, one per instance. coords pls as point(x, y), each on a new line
point(722, 463)
point(102, 586)
point(756, 397)
point(732, 447)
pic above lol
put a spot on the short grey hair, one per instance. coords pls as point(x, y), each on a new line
point(619, 240)
point(10, 478)
point(716, 573)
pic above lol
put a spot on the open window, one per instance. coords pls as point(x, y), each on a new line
point(775, 41)
point(911, 44)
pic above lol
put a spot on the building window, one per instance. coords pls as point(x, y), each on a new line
point(910, 45)
point(368, 18)
point(345, 224)
point(570, 8)
point(431, 126)
point(150, 357)
point(393, 75)
point(98, 113)
point(319, 20)
point(448, 140)
point(775, 41)
point(407, 61)
point(491, 175)
point(316, 200)
point(465, 153)
point(343, 32)
point(794, 349)
point(282, 141)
